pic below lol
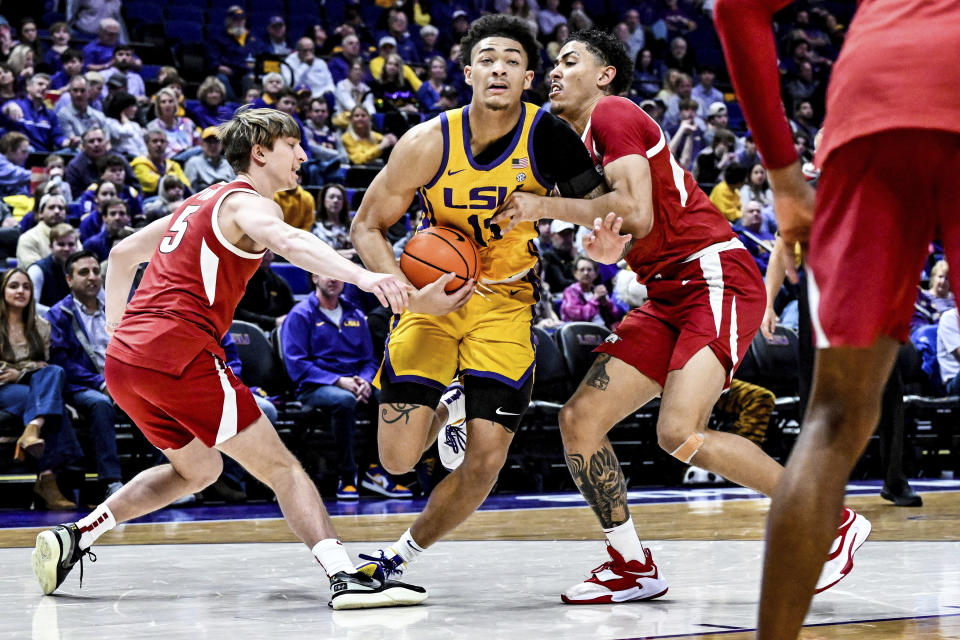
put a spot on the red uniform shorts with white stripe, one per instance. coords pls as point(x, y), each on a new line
point(207, 401)
point(881, 200)
point(713, 299)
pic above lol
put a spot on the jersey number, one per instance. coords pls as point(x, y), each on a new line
point(179, 227)
point(474, 221)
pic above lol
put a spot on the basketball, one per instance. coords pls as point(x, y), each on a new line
point(438, 250)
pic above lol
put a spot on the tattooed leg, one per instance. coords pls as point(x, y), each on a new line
point(597, 375)
point(602, 484)
point(394, 412)
point(401, 434)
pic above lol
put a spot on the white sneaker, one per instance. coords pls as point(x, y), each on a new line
point(696, 475)
point(452, 438)
point(850, 536)
point(618, 581)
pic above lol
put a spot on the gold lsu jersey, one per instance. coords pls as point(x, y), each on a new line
point(465, 194)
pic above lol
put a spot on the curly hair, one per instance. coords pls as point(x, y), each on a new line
point(500, 26)
point(609, 51)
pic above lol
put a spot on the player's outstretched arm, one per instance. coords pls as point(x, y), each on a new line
point(630, 197)
point(413, 163)
point(262, 221)
point(125, 258)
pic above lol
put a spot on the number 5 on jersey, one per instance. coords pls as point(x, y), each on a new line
point(179, 227)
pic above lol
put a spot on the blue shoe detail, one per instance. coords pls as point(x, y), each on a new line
point(386, 568)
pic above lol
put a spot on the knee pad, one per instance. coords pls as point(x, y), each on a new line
point(689, 448)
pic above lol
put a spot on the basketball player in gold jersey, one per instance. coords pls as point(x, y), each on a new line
point(462, 165)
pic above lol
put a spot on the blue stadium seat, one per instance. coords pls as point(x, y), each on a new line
point(184, 31)
point(297, 278)
point(138, 13)
point(179, 13)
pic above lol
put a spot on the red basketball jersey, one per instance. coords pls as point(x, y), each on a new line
point(684, 219)
point(190, 290)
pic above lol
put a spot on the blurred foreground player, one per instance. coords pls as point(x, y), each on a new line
point(706, 302)
point(165, 367)
point(889, 157)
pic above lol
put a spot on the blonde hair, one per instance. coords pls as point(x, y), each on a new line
point(940, 267)
point(250, 127)
point(209, 84)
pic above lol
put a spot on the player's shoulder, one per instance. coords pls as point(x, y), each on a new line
point(616, 106)
point(613, 115)
point(429, 132)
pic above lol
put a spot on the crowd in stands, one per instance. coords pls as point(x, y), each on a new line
point(108, 121)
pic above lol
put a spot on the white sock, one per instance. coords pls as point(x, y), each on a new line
point(94, 525)
point(624, 539)
point(406, 548)
point(332, 556)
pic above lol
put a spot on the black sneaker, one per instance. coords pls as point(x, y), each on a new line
point(55, 554)
point(367, 588)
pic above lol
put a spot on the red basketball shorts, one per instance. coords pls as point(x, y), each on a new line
point(207, 401)
point(714, 299)
point(881, 200)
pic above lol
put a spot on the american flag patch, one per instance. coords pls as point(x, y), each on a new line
point(519, 163)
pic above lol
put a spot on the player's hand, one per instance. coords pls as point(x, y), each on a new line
point(434, 300)
point(605, 243)
point(793, 201)
point(520, 207)
point(769, 323)
point(390, 290)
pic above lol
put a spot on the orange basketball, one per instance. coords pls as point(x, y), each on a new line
point(438, 250)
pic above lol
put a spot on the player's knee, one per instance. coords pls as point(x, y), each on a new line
point(397, 462)
point(576, 423)
point(483, 467)
point(682, 444)
point(202, 478)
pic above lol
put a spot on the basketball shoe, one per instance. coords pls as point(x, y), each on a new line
point(387, 563)
point(850, 536)
point(618, 581)
point(56, 552)
point(367, 588)
point(377, 480)
point(452, 439)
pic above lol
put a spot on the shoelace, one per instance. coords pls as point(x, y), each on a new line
point(455, 438)
point(389, 566)
point(93, 558)
point(603, 567)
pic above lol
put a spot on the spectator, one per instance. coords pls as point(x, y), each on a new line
point(340, 63)
point(210, 108)
point(687, 140)
point(705, 93)
point(208, 167)
point(273, 84)
point(683, 90)
point(549, 18)
point(353, 91)
point(803, 120)
point(31, 117)
point(298, 207)
point(124, 64)
point(232, 52)
point(267, 298)
point(95, 85)
point(110, 185)
point(402, 74)
point(748, 155)
point(181, 131)
point(70, 67)
point(396, 98)
point(803, 86)
point(82, 169)
point(99, 53)
point(21, 61)
point(14, 178)
point(78, 344)
point(34, 244)
point(518, 8)
point(60, 43)
point(948, 351)
point(328, 353)
point(757, 241)
point(151, 167)
point(333, 219)
point(757, 188)
point(681, 57)
point(79, 116)
point(310, 70)
point(28, 37)
point(8, 83)
point(427, 47)
point(636, 39)
point(126, 134)
point(167, 201)
point(586, 301)
point(725, 196)
point(429, 92)
point(714, 159)
point(558, 260)
point(363, 144)
point(557, 37)
point(47, 275)
point(461, 25)
point(277, 37)
point(116, 227)
point(449, 99)
point(326, 147)
point(33, 389)
point(933, 301)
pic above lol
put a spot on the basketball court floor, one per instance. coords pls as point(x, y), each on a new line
point(236, 572)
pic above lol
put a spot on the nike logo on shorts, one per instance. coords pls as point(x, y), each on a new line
point(501, 412)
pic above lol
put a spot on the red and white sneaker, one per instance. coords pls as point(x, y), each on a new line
point(618, 581)
point(850, 536)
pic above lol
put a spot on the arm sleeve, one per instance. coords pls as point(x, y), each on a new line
point(745, 29)
point(562, 159)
